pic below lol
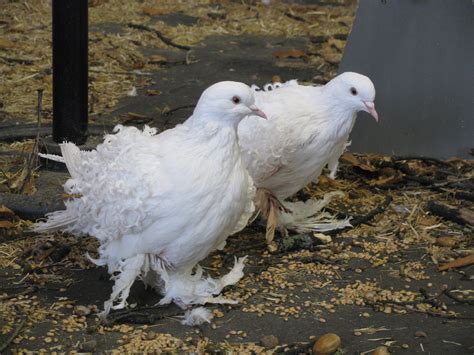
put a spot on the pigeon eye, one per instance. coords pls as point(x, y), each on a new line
point(353, 91)
point(236, 100)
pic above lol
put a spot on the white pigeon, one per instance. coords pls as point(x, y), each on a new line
point(307, 129)
point(159, 204)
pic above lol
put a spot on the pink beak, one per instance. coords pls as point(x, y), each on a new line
point(371, 109)
point(257, 112)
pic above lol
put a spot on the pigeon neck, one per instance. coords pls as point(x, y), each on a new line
point(200, 119)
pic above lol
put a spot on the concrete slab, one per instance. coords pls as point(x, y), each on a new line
point(419, 55)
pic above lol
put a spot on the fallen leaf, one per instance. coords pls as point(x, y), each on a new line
point(324, 182)
point(337, 43)
point(385, 180)
point(276, 79)
point(467, 215)
point(157, 59)
point(467, 260)
point(446, 242)
point(6, 224)
point(152, 92)
point(291, 53)
point(153, 11)
point(136, 118)
point(427, 221)
point(5, 44)
point(352, 159)
point(6, 213)
point(330, 54)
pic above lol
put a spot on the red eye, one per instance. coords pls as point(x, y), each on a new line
point(353, 91)
point(236, 100)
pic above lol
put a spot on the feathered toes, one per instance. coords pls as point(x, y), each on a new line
point(308, 216)
point(124, 274)
point(188, 288)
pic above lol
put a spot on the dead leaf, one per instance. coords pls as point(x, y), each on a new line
point(276, 79)
point(385, 180)
point(467, 215)
point(352, 159)
point(152, 92)
point(6, 213)
point(337, 43)
point(330, 54)
point(446, 242)
point(136, 118)
point(154, 11)
point(157, 59)
point(345, 20)
point(6, 44)
point(324, 182)
point(467, 260)
point(291, 53)
point(427, 221)
point(138, 63)
point(6, 225)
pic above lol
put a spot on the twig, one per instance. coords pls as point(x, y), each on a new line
point(167, 113)
point(141, 315)
point(467, 260)
point(325, 38)
point(17, 60)
point(294, 17)
point(432, 300)
point(132, 72)
point(415, 310)
point(451, 214)
point(160, 35)
point(34, 152)
point(456, 298)
point(15, 332)
point(463, 195)
point(423, 159)
point(369, 216)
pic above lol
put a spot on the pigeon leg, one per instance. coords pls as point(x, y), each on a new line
point(271, 207)
point(272, 222)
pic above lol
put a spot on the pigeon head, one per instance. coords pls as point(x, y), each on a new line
point(355, 92)
point(227, 102)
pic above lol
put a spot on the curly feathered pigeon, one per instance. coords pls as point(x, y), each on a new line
point(159, 204)
point(307, 129)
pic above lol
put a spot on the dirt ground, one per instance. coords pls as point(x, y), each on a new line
point(401, 279)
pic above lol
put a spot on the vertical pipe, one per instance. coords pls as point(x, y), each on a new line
point(70, 70)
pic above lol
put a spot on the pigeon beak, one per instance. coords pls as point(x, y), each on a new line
point(370, 108)
point(257, 112)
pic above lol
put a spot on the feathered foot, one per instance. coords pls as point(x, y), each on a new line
point(308, 217)
point(271, 207)
point(185, 289)
point(128, 270)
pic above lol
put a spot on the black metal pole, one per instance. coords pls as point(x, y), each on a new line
point(70, 70)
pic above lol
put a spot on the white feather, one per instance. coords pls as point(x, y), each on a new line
point(307, 129)
point(159, 204)
point(197, 316)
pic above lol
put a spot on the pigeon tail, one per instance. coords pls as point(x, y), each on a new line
point(58, 220)
point(307, 216)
